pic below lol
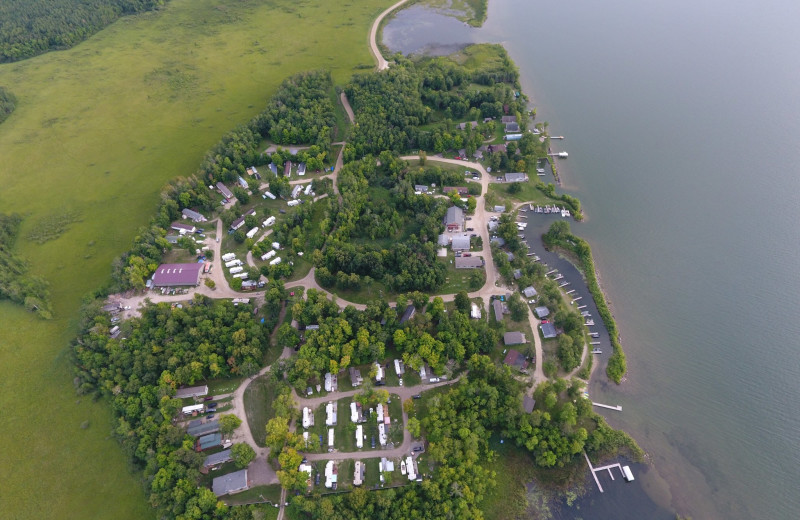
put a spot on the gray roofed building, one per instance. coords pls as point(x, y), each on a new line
point(478, 154)
point(193, 215)
point(173, 275)
point(512, 128)
point(355, 377)
point(493, 224)
point(191, 391)
point(542, 312)
point(421, 188)
point(199, 430)
point(508, 119)
point(468, 262)
point(528, 403)
point(516, 177)
point(463, 126)
point(517, 274)
point(499, 209)
point(207, 442)
point(407, 314)
point(236, 224)
point(499, 309)
point(460, 243)
point(172, 239)
point(218, 458)
point(242, 182)
point(224, 190)
point(500, 241)
point(230, 483)
point(548, 330)
point(273, 168)
point(301, 168)
point(443, 240)
point(462, 152)
point(514, 338)
point(510, 256)
point(497, 148)
point(113, 308)
point(454, 218)
point(529, 291)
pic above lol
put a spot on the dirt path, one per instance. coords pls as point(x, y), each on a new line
point(347, 108)
point(373, 34)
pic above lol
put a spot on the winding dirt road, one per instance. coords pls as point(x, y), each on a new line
point(373, 34)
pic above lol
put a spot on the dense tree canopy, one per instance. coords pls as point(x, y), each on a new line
point(8, 102)
point(31, 27)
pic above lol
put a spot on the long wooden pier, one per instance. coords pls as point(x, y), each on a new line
point(601, 405)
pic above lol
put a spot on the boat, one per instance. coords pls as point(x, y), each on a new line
point(589, 323)
point(539, 170)
point(403, 467)
point(596, 351)
point(563, 155)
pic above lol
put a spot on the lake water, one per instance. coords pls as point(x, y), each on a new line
point(683, 129)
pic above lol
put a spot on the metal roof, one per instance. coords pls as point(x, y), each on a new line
point(218, 458)
point(469, 262)
point(529, 292)
point(200, 430)
point(168, 275)
point(548, 330)
point(542, 311)
point(230, 483)
point(460, 243)
point(516, 177)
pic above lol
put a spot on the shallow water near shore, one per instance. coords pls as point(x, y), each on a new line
point(694, 238)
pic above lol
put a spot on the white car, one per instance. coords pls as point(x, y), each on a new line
point(401, 381)
point(434, 380)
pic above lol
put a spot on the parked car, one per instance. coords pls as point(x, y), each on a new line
point(467, 254)
point(470, 229)
point(418, 448)
point(434, 380)
point(210, 416)
point(208, 398)
point(373, 442)
point(418, 396)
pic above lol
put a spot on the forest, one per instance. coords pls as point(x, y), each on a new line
point(16, 284)
point(163, 349)
point(8, 102)
point(32, 27)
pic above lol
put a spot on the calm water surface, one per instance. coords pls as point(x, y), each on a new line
point(683, 127)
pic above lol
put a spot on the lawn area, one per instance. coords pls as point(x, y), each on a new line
point(456, 280)
point(514, 469)
point(257, 494)
point(258, 399)
point(224, 386)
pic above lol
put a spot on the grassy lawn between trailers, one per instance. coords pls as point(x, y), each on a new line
point(134, 106)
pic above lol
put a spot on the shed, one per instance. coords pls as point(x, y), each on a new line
point(230, 483)
point(475, 312)
point(548, 330)
point(529, 292)
point(542, 312)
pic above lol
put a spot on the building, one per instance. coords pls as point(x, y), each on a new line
point(407, 314)
point(514, 338)
point(420, 188)
point(494, 148)
point(287, 169)
point(242, 183)
point(529, 292)
point(510, 256)
point(355, 377)
point(499, 309)
point(301, 169)
point(517, 274)
point(548, 330)
point(206, 442)
point(308, 417)
point(201, 429)
point(515, 359)
point(500, 241)
point(443, 240)
point(512, 128)
point(528, 403)
point(462, 190)
point(359, 436)
point(177, 275)
point(273, 168)
point(542, 312)
point(224, 191)
point(356, 412)
point(183, 229)
point(468, 262)
point(330, 414)
point(331, 382)
point(463, 126)
point(217, 459)
point(193, 215)
point(516, 177)
point(239, 222)
point(460, 243)
point(331, 475)
point(475, 312)
point(499, 209)
point(399, 367)
point(454, 219)
point(358, 474)
point(478, 155)
point(230, 483)
point(113, 308)
point(508, 119)
point(379, 374)
point(410, 470)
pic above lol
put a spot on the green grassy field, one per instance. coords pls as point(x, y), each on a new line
point(97, 131)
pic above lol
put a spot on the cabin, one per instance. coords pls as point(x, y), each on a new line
point(463, 126)
point(508, 119)
point(499, 209)
point(224, 191)
point(516, 177)
point(529, 292)
point(199, 428)
point(512, 128)
point(287, 169)
point(515, 359)
point(542, 312)
point(499, 309)
point(514, 338)
point(330, 438)
point(379, 374)
point(548, 330)
point(528, 403)
point(399, 367)
point(356, 412)
point(308, 417)
point(242, 183)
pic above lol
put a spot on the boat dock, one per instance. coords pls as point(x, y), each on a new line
point(617, 408)
point(571, 291)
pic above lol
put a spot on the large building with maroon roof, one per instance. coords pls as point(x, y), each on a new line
point(176, 275)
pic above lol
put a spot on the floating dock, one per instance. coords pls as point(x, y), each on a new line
point(617, 408)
